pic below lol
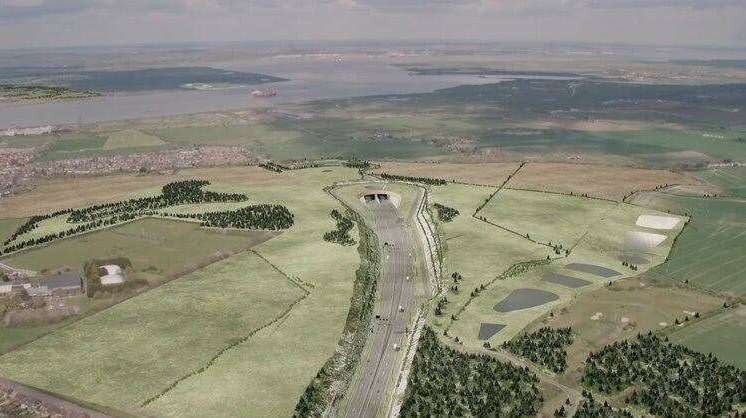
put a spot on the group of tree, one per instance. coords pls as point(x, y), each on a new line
point(277, 168)
point(264, 216)
point(545, 347)
point(341, 235)
point(445, 214)
point(669, 379)
point(177, 193)
point(629, 265)
point(590, 408)
point(358, 163)
point(424, 180)
point(446, 382)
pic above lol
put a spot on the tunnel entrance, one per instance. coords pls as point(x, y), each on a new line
point(376, 197)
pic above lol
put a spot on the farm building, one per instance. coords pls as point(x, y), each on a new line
point(64, 283)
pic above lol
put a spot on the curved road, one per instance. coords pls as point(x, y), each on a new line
point(396, 288)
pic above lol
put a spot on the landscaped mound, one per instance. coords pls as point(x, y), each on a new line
point(445, 382)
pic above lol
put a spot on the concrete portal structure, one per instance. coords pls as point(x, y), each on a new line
point(380, 196)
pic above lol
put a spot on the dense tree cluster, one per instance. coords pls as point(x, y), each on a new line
point(357, 163)
point(589, 408)
point(670, 379)
point(271, 217)
point(177, 193)
point(341, 235)
point(445, 214)
point(545, 347)
point(277, 168)
point(445, 382)
point(425, 180)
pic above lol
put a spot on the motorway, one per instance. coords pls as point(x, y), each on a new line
point(396, 287)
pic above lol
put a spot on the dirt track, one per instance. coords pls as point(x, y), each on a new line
point(380, 362)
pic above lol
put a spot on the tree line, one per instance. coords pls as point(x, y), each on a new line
point(172, 194)
point(425, 180)
point(445, 214)
point(545, 347)
point(272, 217)
point(341, 235)
point(264, 216)
point(669, 379)
point(445, 382)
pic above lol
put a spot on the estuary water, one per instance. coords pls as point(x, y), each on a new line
point(309, 80)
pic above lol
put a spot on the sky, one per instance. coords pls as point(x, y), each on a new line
point(44, 23)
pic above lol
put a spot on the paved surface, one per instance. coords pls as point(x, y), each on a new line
point(380, 365)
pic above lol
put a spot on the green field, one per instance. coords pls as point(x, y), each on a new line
point(481, 252)
point(545, 217)
point(131, 138)
point(710, 252)
point(131, 352)
point(9, 226)
point(266, 375)
point(732, 180)
point(723, 335)
point(157, 248)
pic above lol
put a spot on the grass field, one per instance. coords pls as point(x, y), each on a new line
point(595, 230)
point(131, 138)
point(55, 194)
point(723, 334)
point(8, 226)
point(710, 252)
point(605, 181)
point(157, 248)
point(478, 251)
point(731, 180)
point(276, 364)
point(546, 217)
point(126, 354)
point(266, 375)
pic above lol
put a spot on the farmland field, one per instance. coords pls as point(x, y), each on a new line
point(9, 226)
point(732, 180)
point(157, 248)
point(129, 353)
point(545, 217)
point(723, 334)
point(710, 251)
point(270, 371)
point(609, 182)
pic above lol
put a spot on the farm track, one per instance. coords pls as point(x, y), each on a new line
point(396, 288)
